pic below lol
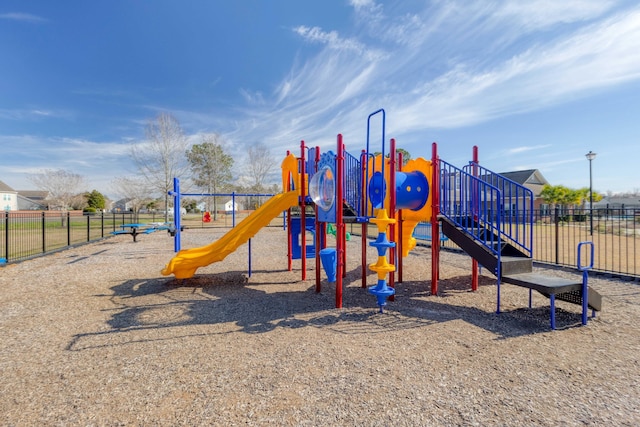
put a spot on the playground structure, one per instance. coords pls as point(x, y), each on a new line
point(487, 215)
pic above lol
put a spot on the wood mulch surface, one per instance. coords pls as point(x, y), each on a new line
point(95, 335)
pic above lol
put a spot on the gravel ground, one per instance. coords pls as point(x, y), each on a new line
point(95, 335)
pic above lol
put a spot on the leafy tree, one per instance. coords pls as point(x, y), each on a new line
point(96, 200)
point(190, 205)
point(211, 167)
point(585, 196)
point(161, 157)
point(406, 156)
point(563, 196)
point(152, 205)
point(559, 195)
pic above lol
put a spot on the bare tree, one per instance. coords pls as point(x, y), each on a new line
point(162, 157)
point(61, 185)
point(134, 190)
point(260, 163)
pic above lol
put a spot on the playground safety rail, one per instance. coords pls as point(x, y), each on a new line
point(353, 183)
point(472, 204)
point(516, 207)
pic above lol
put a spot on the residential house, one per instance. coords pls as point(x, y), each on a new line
point(33, 200)
point(123, 205)
point(531, 179)
point(8, 198)
point(534, 181)
point(231, 206)
point(618, 202)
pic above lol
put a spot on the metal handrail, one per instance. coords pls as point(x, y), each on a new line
point(473, 205)
point(517, 207)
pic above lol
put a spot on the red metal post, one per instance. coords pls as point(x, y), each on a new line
point(400, 231)
point(435, 212)
point(339, 220)
point(363, 213)
point(343, 236)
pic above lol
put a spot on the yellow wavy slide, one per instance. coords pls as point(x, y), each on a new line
point(187, 261)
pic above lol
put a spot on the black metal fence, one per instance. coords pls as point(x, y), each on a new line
point(27, 234)
point(614, 232)
point(24, 235)
point(556, 234)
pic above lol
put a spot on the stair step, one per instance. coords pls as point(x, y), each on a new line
point(512, 265)
point(543, 283)
point(569, 290)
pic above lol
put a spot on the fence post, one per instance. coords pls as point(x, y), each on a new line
point(88, 227)
point(44, 229)
point(233, 209)
point(557, 229)
point(68, 228)
point(6, 235)
point(102, 223)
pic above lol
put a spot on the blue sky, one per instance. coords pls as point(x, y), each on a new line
point(535, 84)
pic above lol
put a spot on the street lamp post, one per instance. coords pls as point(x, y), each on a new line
point(590, 156)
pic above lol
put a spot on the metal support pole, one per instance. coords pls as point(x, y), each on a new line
point(590, 156)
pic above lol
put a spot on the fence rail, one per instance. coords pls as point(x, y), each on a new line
point(556, 234)
point(615, 234)
point(24, 235)
point(27, 234)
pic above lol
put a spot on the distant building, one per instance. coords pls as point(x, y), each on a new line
point(231, 206)
point(123, 205)
point(33, 200)
point(8, 198)
point(23, 200)
point(618, 202)
point(531, 179)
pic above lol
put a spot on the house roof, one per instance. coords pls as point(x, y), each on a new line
point(28, 203)
point(5, 188)
point(528, 176)
point(615, 201)
point(36, 195)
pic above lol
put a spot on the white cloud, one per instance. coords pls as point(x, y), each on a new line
point(518, 150)
point(23, 17)
point(331, 39)
point(541, 14)
point(601, 55)
point(425, 85)
point(99, 162)
point(434, 65)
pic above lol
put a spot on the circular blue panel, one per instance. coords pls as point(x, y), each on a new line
point(322, 188)
point(412, 190)
point(377, 189)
